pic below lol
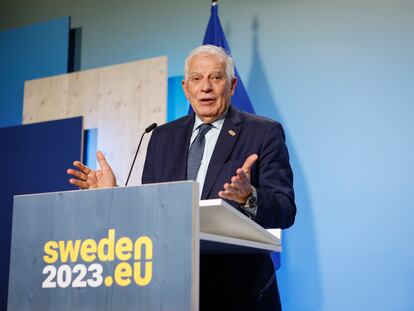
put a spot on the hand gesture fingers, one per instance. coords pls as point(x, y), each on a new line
point(243, 176)
point(105, 176)
point(78, 174)
point(82, 167)
point(240, 187)
point(247, 166)
point(102, 161)
point(79, 183)
point(85, 178)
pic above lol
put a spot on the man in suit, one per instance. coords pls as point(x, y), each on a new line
point(234, 155)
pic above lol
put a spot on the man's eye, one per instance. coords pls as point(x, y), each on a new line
point(217, 78)
point(195, 79)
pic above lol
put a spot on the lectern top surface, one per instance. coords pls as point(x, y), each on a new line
point(220, 218)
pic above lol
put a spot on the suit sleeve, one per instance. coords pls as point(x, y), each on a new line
point(273, 180)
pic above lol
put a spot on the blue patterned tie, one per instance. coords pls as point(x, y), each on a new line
point(195, 154)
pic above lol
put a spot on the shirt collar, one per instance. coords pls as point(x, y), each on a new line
point(216, 124)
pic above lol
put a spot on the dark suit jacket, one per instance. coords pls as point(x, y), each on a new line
point(233, 282)
point(271, 175)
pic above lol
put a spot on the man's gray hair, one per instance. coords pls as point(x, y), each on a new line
point(215, 51)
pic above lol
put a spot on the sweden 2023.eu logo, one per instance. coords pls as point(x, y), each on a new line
point(132, 262)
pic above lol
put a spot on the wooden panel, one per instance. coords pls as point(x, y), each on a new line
point(120, 101)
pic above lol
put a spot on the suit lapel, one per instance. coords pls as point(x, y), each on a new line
point(225, 143)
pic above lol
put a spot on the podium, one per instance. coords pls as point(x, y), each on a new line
point(130, 248)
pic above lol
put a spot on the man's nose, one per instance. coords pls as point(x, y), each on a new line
point(206, 85)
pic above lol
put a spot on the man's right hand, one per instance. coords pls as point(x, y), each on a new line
point(86, 178)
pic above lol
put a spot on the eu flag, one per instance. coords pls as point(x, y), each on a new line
point(214, 35)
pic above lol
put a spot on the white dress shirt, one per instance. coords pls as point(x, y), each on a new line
point(211, 140)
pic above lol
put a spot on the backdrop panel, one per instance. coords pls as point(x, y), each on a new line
point(119, 101)
point(34, 159)
point(29, 52)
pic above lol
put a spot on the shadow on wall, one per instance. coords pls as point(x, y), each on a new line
point(75, 48)
point(299, 276)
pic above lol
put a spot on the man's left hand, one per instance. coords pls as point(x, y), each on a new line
point(240, 187)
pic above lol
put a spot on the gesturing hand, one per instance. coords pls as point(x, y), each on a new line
point(240, 187)
point(86, 178)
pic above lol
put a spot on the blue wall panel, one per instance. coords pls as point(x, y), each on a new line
point(34, 159)
point(26, 53)
point(90, 147)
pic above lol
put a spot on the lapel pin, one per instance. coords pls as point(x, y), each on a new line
point(232, 133)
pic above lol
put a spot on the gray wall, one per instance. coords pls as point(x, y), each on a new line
point(339, 76)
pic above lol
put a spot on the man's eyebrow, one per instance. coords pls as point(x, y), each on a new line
point(211, 73)
point(194, 73)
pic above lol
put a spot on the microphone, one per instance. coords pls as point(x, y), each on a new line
point(147, 130)
point(153, 126)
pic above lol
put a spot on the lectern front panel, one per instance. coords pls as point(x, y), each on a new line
point(134, 248)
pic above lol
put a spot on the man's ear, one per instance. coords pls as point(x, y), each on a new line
point(184, 86)
point(233, 86)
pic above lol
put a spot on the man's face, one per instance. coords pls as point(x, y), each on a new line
point(207, 87)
